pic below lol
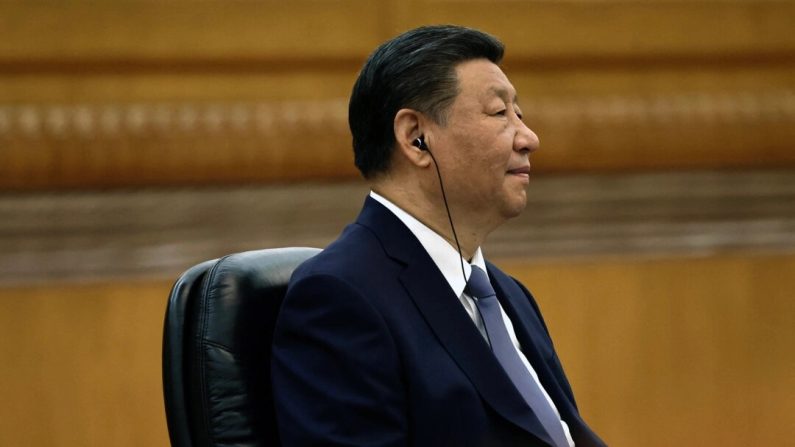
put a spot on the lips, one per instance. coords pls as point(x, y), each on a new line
point(520, 170)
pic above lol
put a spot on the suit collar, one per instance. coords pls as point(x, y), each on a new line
point(443, 312)
point(444, 255)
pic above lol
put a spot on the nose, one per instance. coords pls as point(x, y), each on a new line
point(525, 139)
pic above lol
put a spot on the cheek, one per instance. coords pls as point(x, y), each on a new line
point(484, 156)
point(497, 159)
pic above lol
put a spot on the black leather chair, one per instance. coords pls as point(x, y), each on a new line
point(217, 345)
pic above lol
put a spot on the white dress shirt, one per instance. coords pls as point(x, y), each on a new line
point(448, 260)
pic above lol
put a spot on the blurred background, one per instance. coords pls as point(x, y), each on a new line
point(138, 138)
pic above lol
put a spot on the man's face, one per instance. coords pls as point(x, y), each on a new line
point(483, 149)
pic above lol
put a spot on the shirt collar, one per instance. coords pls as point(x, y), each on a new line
point(444, 255)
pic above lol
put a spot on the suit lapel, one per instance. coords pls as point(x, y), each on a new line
point(534, 341)
point(443, 312)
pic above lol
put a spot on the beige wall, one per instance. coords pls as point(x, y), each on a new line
point(666, 351)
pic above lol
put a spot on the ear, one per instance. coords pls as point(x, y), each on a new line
point(408, 127)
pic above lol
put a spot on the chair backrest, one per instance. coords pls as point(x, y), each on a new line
point(217, 346)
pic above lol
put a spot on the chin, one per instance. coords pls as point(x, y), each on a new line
point(512, 210)
point(518, 203)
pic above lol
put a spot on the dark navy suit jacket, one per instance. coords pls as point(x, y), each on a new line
point(373, 348)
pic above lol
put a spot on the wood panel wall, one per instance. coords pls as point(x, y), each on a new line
point(676, 352)
point(667, 352)
point(81, 365)
point(138, 93)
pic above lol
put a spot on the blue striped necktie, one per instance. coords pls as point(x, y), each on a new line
point(480, 288)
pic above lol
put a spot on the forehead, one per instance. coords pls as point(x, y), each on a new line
point(484, 79)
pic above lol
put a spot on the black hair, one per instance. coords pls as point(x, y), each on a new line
point(414, 70)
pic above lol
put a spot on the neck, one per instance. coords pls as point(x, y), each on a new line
point(432, 213)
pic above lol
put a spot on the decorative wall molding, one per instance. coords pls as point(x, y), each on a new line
point(117, 144)
point(663, 110)
point(91, 120)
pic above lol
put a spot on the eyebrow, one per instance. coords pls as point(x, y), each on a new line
point(503, 93)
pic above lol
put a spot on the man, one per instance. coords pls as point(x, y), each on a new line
point(393, 336)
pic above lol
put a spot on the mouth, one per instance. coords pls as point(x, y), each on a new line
point(522, 170)
point(521, 173)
